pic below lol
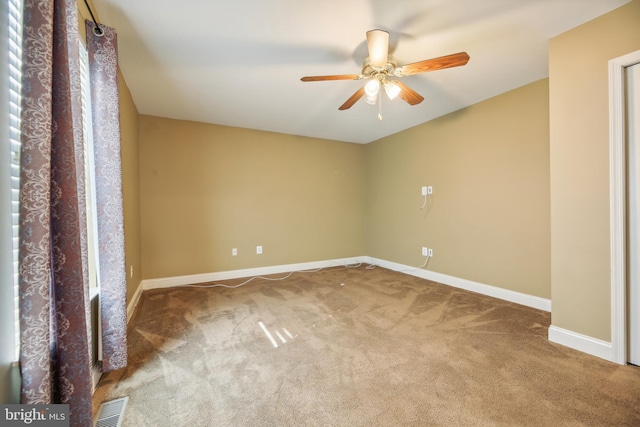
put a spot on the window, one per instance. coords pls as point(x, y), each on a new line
point(90, 187)
point(92, 220)
point(15, 67)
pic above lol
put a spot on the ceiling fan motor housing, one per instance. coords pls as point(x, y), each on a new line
point(381, 73)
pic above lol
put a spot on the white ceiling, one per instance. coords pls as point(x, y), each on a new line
point(239, 62)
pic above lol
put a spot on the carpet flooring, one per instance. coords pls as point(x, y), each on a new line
point(357, 347)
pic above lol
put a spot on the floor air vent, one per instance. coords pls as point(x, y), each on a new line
point(112, 413)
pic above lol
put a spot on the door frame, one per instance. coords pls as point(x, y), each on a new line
point(617, 199)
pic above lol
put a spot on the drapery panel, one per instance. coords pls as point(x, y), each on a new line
point(55, 360)
point(103, 71)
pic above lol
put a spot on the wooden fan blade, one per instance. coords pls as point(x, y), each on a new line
point(454, 60)
point(336, 77)
point(378, 44)
point(354, 98)
point(409, 95)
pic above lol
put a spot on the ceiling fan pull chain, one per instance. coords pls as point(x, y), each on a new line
point(379, 106)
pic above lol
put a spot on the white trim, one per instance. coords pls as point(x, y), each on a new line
point(131, 307)
point(469, 285)
point(96, 375)
point(492, 291)
point(617, 189)
point(169, 282)
point(583, 343)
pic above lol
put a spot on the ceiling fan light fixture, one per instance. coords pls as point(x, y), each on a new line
point(371, 99)
point(392, 89)
point(372, 88)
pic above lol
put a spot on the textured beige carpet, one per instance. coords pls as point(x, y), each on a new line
point(358, 347)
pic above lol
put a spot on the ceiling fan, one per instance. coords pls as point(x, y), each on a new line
point(380, 68)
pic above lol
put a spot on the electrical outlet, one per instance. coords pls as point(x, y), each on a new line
point(430, 253)
point(259, 250)
point(429, 190)
point(234, 252)
point(425, 251)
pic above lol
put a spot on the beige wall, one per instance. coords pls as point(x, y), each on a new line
point(488, 217)
point(579, 135)
point(206, 189)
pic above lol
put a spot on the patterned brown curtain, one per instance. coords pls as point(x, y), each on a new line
point(103, 70)
point(55, 360)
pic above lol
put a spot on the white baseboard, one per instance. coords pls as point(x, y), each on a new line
point(96, 374)
point(492, 291)
point(500, 293)
point(583, 343)
point(131, 307)
point(169, 282)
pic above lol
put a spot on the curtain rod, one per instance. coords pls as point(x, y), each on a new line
point(96, 30)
